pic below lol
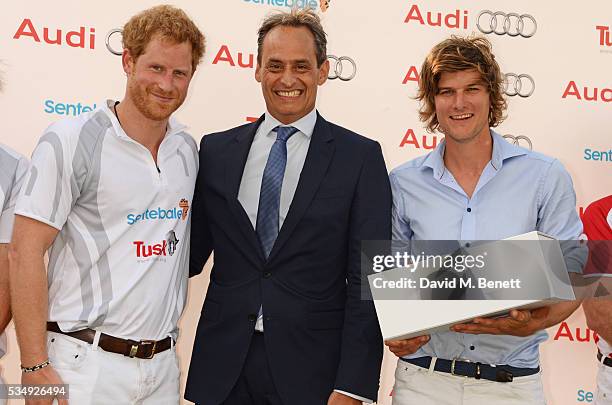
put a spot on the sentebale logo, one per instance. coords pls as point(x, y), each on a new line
point(160, 213)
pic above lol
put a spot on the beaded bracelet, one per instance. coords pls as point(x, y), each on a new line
point(36, 367)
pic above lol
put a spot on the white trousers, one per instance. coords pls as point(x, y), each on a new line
point(415, 385)
point(604, 386)
point(98, 377)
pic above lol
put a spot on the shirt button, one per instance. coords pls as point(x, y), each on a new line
point(468, 244)
point(252, 317)
point(469, 210)
point(472, 347)
point(267, 274)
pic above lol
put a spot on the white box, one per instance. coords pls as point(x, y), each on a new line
point(406, 318)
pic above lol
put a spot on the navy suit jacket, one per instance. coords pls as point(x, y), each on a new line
point(319, 333)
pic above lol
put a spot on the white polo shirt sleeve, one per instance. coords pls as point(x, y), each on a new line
point(50, 187)
point(13, 169)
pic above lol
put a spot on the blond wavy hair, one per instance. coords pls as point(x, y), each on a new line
point(458, 54)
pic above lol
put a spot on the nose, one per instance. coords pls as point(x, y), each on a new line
point(288, 78)
point(166, 82)
point(459, 101)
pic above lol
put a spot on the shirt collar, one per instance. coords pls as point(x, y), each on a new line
point(435, 160)
point(174, 126)
point(305, 124)
point(502, 150)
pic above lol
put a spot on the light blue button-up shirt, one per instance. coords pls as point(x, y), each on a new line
point(518, 191)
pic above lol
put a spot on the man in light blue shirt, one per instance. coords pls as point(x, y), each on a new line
point(476, 186)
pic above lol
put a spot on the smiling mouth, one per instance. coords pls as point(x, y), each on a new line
point(163, 98)
point(289, 93)
point(461, 117)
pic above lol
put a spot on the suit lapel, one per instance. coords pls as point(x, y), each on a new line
point(318, 158)
point(235, 161)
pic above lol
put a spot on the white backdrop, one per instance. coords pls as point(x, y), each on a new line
point(568, 58)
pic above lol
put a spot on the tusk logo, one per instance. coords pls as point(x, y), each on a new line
point(172, 242)
point(338, 69)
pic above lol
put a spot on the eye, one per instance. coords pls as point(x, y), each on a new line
point(275, 67)
point(445, 92)
point(157, 68)
point(180, 73)
point(302, 67)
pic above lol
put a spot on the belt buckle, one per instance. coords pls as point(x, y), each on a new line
point(452, 370)
point(134, 348)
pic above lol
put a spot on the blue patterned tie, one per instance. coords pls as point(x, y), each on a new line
point(269, 196)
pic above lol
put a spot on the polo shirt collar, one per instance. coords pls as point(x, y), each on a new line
point(174, 126)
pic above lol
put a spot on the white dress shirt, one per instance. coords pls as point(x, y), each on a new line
point(297, 148)
point(250, 185)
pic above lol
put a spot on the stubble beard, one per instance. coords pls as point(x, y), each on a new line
point(149, 108)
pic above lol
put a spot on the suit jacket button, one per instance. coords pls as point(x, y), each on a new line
point(267, 274)
point(252, 317)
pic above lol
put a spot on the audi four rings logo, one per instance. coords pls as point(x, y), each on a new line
point(338, 69)
point(518, 85)
point(109, 45)
point(516, 140)
point(511, 24)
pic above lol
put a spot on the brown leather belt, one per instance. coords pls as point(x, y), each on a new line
point(144, 349)
point(606, 362)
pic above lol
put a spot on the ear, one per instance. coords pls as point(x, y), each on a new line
point(258, 72)
point(324, 72)
point(128, 62)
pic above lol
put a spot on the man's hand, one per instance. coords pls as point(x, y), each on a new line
point(44, 376)
point(406, 346)
point(337, 398)
point(518, 323)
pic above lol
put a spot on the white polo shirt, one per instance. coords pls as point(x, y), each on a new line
point(120, 261)
point(13, 168)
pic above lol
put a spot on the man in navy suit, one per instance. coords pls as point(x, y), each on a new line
point(284, 203)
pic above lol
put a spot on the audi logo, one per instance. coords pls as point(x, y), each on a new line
point(518, 85)
point(511, 24)
point(109, 45)
point(340, 70)
point(516, 140)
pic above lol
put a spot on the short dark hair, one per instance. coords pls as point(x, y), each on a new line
point(297, 17)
